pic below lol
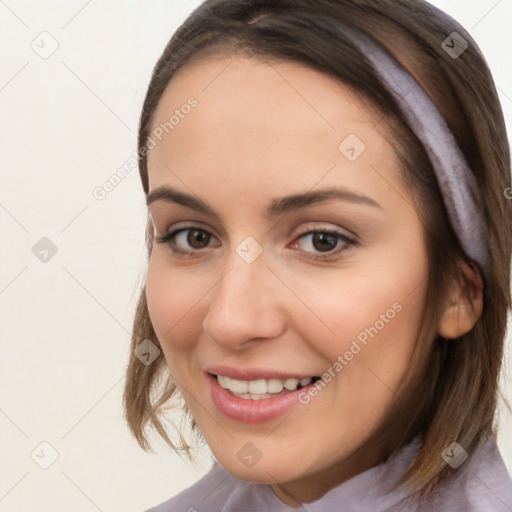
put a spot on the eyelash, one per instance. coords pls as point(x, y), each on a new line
point(168, 238)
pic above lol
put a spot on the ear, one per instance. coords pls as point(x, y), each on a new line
point(465, 305)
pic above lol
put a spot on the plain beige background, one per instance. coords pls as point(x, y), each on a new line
point(68, 121)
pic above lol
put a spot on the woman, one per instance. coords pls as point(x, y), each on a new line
point(329, 244)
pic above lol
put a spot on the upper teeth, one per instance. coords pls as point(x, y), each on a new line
point(260, 387)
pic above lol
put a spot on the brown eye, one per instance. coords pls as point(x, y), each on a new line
point(324, 243)
point(186, 241)
point(197, 237)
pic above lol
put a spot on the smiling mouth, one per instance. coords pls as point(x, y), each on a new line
point(262, 388)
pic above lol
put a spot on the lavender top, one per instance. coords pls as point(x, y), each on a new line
point(480, 484)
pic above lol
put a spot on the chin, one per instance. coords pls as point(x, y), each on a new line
point(268, 470)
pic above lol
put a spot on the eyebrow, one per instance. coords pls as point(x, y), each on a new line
point(276, 207)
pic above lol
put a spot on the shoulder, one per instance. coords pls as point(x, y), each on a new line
point(488, 484)
point(480, 484)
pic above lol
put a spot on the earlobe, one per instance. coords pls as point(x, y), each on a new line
point(465, 305)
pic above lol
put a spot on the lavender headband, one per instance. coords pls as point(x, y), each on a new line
point(455, 179)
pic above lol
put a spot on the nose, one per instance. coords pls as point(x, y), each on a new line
point(246, 306)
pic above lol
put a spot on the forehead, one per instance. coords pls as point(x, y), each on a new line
point(264, 119)
point(231, 83)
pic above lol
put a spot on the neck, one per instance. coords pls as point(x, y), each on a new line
point(373, 452)
point(313, 487)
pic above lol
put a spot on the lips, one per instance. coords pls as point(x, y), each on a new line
point(263, 406)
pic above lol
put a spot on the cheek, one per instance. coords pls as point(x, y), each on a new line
point(174, 300)
point(371, 320)
point(375, 326)
point(350, 307)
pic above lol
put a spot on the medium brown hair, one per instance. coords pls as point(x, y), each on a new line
point(460, 381)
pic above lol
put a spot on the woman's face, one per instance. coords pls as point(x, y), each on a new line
point(303, 257)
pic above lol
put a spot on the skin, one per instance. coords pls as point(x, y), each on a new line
point(262, 131)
